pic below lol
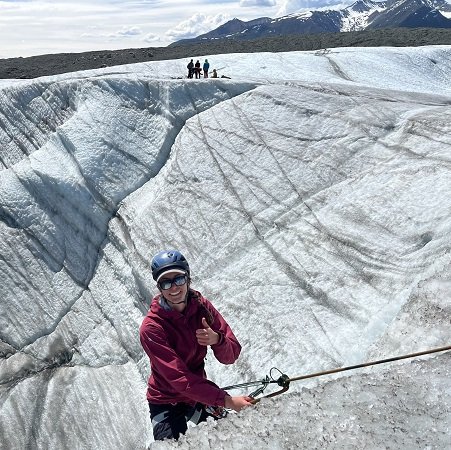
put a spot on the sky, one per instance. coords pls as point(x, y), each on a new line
point(36, 27)
point(309, 193)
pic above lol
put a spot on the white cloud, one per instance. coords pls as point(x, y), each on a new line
point(61, 8)
point(33, 27)
point(197, 24)
point(151, 38)
point(124, 32)
point(246, 3)
point(292, 6)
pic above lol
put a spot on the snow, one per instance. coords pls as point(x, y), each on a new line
point(310, 195)
point(355, 20)
point(303, 15)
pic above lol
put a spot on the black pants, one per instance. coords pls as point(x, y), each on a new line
point(170, 421)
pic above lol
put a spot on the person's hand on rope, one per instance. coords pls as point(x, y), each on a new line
point(237, 403)
point(206, 336)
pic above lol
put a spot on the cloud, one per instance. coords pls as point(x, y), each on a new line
point(61, 8)
point(292, 6)
point(246, 3)
point(197, 24)
point(151, 38)
point(32, 27)
point(126, 32)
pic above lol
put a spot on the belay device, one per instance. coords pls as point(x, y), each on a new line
point(283, 381)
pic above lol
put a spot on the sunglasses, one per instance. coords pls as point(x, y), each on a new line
point(179, 280)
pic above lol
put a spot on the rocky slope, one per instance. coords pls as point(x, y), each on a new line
point(37, 66)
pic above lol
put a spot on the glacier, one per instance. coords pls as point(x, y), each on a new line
point(310, 193)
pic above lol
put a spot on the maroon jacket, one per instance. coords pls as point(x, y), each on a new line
point(176, 359)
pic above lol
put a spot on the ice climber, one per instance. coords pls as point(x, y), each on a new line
point(175, 334)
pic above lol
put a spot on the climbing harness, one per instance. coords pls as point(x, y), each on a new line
point(284, 380)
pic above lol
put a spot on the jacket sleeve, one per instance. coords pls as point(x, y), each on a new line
point(168, 365)
point(228, 348)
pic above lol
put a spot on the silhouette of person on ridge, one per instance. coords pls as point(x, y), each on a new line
point(215, 75)
point(205, 67)
point(190, 68)
point(197, 69)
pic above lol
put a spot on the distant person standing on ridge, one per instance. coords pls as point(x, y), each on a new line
point(190, 68)
point(206, 67)
point(175, 334)
point(197, 69)
point(215, 74)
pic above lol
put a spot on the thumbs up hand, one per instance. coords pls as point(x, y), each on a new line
point(206, 336)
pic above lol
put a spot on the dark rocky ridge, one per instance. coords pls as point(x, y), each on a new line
point(52, 64)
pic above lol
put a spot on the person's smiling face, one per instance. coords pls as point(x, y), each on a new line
point(175, 295)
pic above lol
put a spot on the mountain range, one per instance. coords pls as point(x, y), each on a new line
point(361, 15)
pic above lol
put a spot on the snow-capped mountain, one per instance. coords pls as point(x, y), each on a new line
point(411, 13)
point(361, 15)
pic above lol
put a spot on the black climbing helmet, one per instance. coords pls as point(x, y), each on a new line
point(167, 260)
